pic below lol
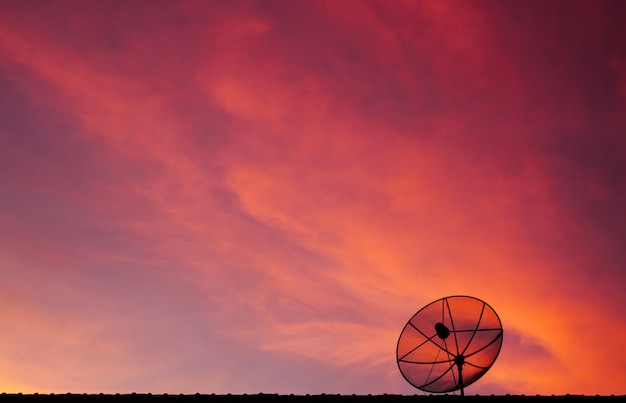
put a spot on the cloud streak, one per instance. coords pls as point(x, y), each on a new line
point(255, 197)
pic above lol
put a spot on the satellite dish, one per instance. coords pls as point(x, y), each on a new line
point(449, 344)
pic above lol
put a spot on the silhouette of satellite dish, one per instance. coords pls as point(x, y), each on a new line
point(449, 344)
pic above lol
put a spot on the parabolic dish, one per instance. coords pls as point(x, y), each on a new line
point(449, 344)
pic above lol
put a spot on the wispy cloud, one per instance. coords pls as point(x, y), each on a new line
point(252, 197)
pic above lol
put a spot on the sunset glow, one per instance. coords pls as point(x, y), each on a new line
point(256, 196)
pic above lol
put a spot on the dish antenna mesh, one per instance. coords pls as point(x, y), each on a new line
point(449, 344)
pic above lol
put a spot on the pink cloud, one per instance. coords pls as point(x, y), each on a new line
point(199, 194)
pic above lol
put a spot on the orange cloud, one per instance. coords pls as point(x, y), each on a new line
point(205, 192)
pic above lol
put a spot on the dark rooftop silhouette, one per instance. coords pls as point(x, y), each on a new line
point(320, 398)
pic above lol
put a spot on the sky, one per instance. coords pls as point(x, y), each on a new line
point(256, 196)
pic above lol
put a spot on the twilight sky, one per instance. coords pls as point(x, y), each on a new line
point(255, 196)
